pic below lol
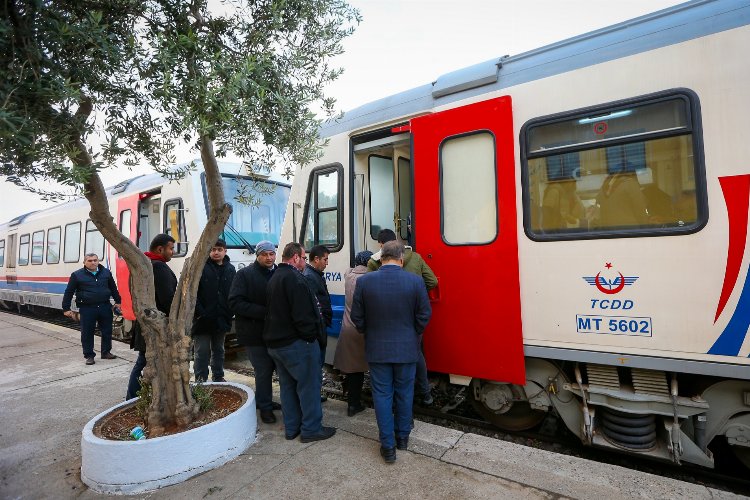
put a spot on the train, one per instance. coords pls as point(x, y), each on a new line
point(584, 206)
point(39, 250)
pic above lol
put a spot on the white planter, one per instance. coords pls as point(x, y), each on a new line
point(127, 467)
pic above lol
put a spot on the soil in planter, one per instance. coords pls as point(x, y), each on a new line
point(117, 425)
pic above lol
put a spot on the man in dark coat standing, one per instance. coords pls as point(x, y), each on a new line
point(392, 309)
point(293, 327)
point(93, 285)
point(317, 263)
point(248, 300)
point(165, 284)
point(213, 318)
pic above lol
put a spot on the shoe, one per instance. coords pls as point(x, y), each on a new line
point(220, 379)
point(427, 400)
point(402, 443)
point(323, 398)
point(289, 437)
point(90, 361)
point(267, 417)
point(275, 405)
point(108, 355)
point(324, 433)
point(388, 454)
point(353, 410)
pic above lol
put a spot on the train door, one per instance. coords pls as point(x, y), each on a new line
point(466, 229)
point(149, 219)
point(10, 261)
point(127, 222)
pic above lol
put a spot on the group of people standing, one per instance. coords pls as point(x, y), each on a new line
point(281, 314)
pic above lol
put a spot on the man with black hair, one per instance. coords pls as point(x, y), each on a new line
point(317, 263)
point(213, 318)
point(165, 284)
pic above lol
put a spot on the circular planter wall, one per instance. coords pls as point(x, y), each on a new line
point(127, 467)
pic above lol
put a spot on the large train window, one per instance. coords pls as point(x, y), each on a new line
point(23, 250)
point(2, 253)
point(72, 242)
point(631, 168)
point(322, 223)
point(37, 247)
point(53, 245)
point(380, 172)
point(94, 240)
point(174, 225)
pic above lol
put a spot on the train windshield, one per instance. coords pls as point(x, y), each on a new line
point(258, 210)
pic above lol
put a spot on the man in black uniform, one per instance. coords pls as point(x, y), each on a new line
point(165, 284)
point(213, 318)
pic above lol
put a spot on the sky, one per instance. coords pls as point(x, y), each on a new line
point(402, 44)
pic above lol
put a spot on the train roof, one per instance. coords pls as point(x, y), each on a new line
point(140, 183)
point(659, 29)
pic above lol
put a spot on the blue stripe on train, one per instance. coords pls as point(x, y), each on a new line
point(35, 286)
point(337, 304)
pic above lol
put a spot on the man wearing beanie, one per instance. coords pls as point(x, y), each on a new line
point(213, 317)
point(247, 299)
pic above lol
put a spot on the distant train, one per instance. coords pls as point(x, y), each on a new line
point(39, 250)
point(585, 208)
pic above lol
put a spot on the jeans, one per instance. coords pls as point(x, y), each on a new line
point(90, 316)
point(209, 345)
point(391, 381)
point(134, 384)
point(298, 366)
point(264, 366)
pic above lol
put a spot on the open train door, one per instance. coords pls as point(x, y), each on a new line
point(465, 227)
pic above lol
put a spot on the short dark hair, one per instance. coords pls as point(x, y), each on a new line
point(318, 251)
point(160, 240)
point(292, 249)
point(220, 243)
point(386, 235)
point(392, 250)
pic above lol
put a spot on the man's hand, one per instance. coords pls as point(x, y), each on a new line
point(69, 314)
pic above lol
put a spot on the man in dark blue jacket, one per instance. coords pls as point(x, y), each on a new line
point(313, 273)
point(213, 318)
point(392, 309)
point(92, 285)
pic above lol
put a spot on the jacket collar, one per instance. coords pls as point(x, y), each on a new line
point(155, 256)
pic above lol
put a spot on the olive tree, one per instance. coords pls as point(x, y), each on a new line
point(93, 84)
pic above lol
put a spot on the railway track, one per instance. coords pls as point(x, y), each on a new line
point(453, 411)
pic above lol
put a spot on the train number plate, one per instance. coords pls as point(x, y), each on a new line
point(614, 325)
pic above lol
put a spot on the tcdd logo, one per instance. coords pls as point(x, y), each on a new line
point(610, 286)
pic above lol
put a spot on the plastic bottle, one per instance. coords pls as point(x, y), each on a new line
point(137, 433)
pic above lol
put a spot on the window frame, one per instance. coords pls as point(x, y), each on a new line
point(130, 225)
point(2, 255)
point(312, 184)
point(65, 238)
point(102, 257)
point(369, 190)
point(59, 245)
point(28, 248)
point(693, 128)
point(41, 256)
point(182, 243)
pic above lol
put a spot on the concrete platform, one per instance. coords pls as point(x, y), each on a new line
point(47, 395)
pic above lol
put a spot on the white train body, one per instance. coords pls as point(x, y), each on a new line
point(648, 307)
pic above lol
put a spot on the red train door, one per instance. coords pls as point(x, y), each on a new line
point(465, 227)
point(127, 222)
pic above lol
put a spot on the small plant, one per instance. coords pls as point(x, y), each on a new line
point(203, 396)
point(144, 399)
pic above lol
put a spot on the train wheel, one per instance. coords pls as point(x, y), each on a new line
point(503, 406)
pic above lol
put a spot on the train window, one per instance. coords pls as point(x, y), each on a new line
point(322, 223)
point(468, 189)
point(23, 250)
point(37, 247)
point(174, 225)
point(2, 253)
point(380, 172)
point(125, 222)
point(53, 245)
point(633, 168)
point(72, 242)
point(94, 240)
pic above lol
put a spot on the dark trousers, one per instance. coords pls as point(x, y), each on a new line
point(90, 316)
point(208, 346)
point(422, 388)
point(134, 384)
point(392, 382)
point(298, 366)
point(354, 383)
point(263, 366)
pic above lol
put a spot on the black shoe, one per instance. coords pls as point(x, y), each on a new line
point(267, 417)
point(289, 437)
point(90, 361)
point(275, 405)
point(388, 454)
point(402, 443)
point(353, 410)
point(323, 398)
point(324, 433)
point(108, 355)
point(220, 379)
